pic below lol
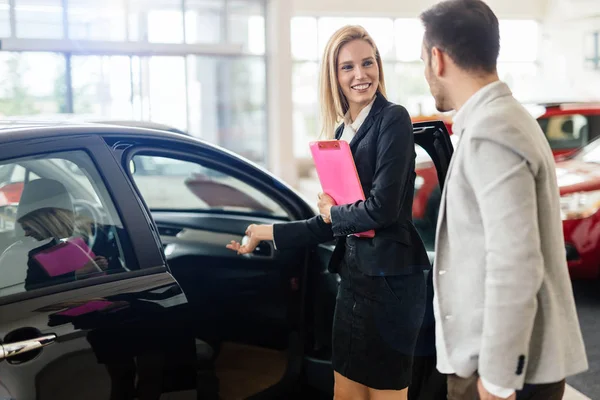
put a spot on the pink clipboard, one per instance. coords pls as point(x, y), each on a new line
point(65, 257)
point(337, 173)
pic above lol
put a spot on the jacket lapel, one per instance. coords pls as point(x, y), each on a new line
point(378, 105)
point(442, 210)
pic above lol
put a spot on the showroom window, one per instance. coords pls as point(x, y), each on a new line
point(399, 42)
point(212, 84)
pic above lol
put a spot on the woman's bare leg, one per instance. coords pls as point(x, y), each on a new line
point(375, 394)
point(346, 389)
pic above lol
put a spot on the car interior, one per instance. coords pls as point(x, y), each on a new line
point(248, 309)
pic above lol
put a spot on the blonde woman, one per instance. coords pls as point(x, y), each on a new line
point(45, 214)
point(381, 298)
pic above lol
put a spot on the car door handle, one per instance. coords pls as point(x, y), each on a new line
point(8, 350)
point(264, 248)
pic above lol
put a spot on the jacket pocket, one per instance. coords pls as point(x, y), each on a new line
point(396, 233)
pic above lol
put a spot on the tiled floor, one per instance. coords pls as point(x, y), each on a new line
point(572, 394)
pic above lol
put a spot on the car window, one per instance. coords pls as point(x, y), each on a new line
point(594, 127)
point(172, 184)
point(565, 131)
point(57, 223)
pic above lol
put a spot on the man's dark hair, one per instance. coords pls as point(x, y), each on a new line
point(467, 30)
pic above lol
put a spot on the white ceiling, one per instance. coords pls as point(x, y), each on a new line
point(529, 9)
point(570, 10)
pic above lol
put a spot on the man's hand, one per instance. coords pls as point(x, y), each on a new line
point(255, 234)
point(485, 395)
point(325, 203)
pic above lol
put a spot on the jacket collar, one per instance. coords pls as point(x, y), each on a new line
point(378, 105)
point(483, 96)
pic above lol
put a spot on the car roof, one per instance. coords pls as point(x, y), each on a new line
point(15, 130)
point(572, 106)
point(140, 124)
point(69, 119)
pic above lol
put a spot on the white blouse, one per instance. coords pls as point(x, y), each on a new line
point(350, 128)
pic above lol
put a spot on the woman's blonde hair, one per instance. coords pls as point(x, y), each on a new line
point(50, 222)
point(333, 102)
point(57, 223)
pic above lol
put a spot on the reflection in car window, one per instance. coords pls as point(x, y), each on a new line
point(57, 223)
point(172, 184)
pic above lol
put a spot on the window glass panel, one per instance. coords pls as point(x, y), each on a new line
point(380, 29)
point(228, 103)
point(32, 83)
point(93, 20)
point(72, 234)
point(102, 86)
point(591, 49)
point(406, 85)
point(521, 78)
point(518, 40)
point(167, 91)
point(168, 183)
point(408, 35)
point(162, 18)
point(4, 18)
point(247, 25)
point(139, 77)
point(306, 123)
point(39, 19)
point(304, 38)
point(204, 21)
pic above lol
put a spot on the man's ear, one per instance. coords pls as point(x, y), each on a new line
point(438, 61)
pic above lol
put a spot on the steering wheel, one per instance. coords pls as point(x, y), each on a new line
point(89, 209)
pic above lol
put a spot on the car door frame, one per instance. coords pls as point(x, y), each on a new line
point(148, 259)
point(194, 151)
point(434, 138)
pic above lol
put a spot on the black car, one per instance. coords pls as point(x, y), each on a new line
point(138, 296)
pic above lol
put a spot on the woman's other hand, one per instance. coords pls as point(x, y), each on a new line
point(325, 203)
point(255, 234)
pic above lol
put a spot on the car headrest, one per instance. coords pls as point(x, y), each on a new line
point(43, 193)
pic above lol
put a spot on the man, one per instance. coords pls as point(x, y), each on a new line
point(506, 323)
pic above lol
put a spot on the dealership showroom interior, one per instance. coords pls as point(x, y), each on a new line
point(142, 142)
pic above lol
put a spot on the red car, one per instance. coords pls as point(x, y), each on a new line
point(568, 127)
point(579, 182)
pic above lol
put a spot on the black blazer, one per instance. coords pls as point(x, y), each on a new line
point(384, 153)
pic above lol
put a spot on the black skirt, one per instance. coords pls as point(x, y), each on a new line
point(376, 324)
